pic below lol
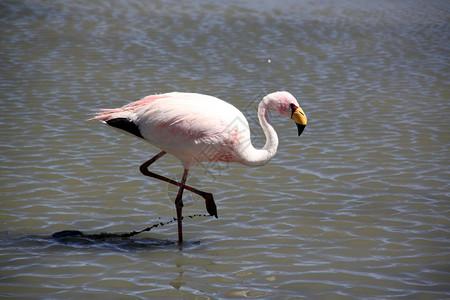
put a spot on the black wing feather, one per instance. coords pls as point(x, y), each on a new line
point(126, 125)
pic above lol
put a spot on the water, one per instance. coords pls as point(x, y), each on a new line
point(357, 207)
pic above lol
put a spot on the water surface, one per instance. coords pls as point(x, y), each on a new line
point(357, 207)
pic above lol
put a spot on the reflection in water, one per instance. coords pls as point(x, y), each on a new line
point(107, 240)
point(116, 240)
point(177, 283)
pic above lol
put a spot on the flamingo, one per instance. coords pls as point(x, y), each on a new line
point(200, 128)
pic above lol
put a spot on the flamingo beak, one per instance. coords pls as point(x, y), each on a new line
point(299, 117)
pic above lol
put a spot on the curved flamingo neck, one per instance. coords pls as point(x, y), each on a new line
point(259, 157)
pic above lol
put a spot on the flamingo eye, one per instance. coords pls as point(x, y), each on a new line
point(293, 108)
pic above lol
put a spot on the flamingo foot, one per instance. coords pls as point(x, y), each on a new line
point(210, 204)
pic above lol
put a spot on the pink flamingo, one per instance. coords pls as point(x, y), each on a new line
point(199, 128)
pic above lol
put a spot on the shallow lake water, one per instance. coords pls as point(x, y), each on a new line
point(356, 207)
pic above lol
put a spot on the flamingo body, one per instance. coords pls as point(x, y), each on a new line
point(194, 128)
point(197, 128)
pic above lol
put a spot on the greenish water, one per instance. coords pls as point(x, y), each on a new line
point(357, 207)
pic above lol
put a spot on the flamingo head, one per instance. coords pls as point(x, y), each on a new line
point(288, 106)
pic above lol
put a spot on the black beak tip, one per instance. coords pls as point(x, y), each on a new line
point(300, 128)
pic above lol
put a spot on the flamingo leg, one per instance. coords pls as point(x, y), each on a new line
point(179, 206)
point(209, 200)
